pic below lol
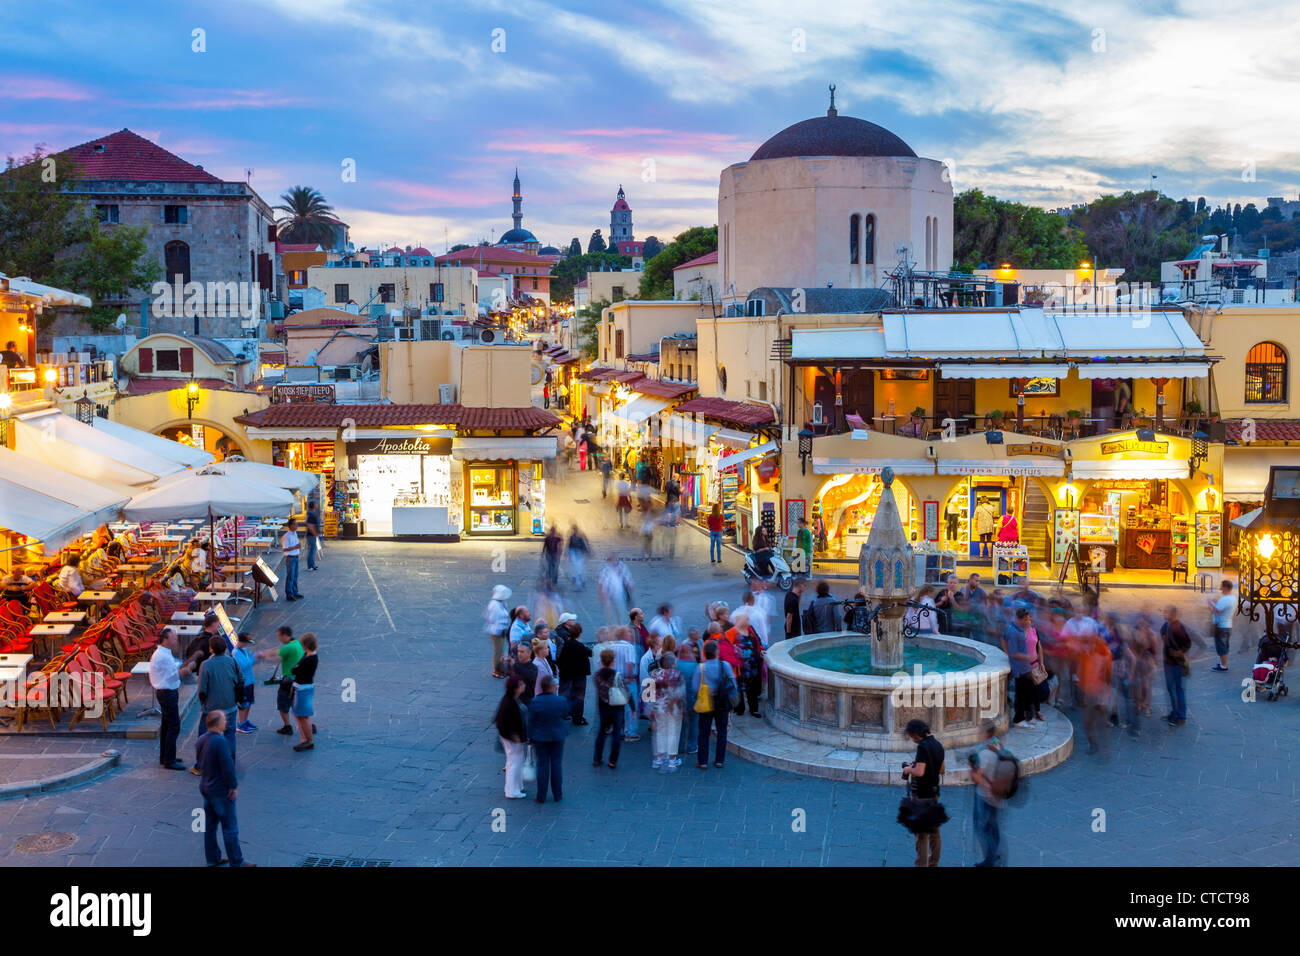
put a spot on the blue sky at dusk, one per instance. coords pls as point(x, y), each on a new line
point(1046, 103)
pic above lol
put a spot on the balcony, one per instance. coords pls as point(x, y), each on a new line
point(1056, 426)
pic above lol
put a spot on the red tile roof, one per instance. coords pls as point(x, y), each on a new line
point(494, 254)
point(598, 374)
point(649, 386)
point(147, 386)
point(297, 246)
point(709, 258)
point(377, 416)
point(128, 156)
point(741, 413)
point(1278, 429)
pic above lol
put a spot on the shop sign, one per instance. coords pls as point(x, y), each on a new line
point(400, 446)
point(930, 509)
point(303, 393)
point(997, 470)
point(1036, 448)
point(1121, 445)
point(1120, 484)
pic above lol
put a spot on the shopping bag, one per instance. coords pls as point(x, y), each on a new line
point(530, 766)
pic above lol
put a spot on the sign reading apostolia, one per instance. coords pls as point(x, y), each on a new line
point(1133, 444)
point(400, 446)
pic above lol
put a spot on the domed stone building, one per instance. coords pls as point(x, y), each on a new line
point(518, 237)
point(828, 201)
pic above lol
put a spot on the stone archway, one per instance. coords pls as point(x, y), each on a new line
point(222, 445)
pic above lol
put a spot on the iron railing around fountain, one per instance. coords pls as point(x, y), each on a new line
point(862, 614)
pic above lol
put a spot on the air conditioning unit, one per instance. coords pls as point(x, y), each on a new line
point(447, 394)
point(402, 333)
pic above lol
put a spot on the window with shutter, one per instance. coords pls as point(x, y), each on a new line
point(146, 360)
point(187, 360)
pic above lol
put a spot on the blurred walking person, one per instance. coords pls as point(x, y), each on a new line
point(1177, 642)
point(578, 550)
point(669, 694)
point(496, 624)
point(623, 501)
point(615, 586)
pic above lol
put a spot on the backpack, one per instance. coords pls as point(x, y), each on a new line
point(1006, 776)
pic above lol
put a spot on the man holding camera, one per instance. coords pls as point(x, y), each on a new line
point(924, 772)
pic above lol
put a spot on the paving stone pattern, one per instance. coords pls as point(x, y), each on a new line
point(407, 771)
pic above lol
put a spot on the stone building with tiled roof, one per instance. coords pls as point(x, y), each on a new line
point(200, 228)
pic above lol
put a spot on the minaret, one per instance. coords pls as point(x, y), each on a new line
point(518, 200)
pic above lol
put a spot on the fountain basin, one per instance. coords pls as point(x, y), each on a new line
point(867, 711)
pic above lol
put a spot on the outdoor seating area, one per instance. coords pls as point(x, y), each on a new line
point(99, 557)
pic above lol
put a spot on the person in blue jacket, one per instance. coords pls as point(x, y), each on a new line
point(546, 716)
point(218, 785)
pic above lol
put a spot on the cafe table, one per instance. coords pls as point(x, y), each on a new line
point(188, 617)
point(48, 632)
point(98, 600)
point(64, 617)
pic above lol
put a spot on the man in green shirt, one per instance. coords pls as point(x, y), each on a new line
point(289, 654)
point(804, 541)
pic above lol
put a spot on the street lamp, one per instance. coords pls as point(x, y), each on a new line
point(805, 448)
point(85, 410)
point(1269, 554)
point(191, 398)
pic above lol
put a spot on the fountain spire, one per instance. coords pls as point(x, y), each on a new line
point(887, 572)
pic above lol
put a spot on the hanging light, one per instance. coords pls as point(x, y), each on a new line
point(191, 398)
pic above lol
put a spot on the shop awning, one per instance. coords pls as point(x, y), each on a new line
point(164, 447)
point(1003, 370)
point(639, 409)
point(64, 443)
point(292, 433)
point(1144, 370)
point(1008, 467)
point(503, 449)
point(872, 466)
point(1141, 470)
point(688, 431)
point(761, 451)
point(732, 438)
point(1245, 470)
point(49, 504)
point(860, 343)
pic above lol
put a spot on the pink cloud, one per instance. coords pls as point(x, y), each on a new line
point(439, 195)
point(41, 88)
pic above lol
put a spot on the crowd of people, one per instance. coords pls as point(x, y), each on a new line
point(226, 685)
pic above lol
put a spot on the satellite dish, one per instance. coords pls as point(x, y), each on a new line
point(120, 324)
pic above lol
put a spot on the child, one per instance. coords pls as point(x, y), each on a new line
point(245, 658)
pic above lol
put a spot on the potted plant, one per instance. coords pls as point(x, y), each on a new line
point(1074, 413)
point(918, 420)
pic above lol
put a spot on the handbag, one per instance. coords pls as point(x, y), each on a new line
point(618, 693)
point(530, 766)
point(704, 697)
point(728, 692)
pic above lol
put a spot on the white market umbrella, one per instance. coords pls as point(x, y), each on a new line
point(155, 444)
point(208, 493)
point(290, 479)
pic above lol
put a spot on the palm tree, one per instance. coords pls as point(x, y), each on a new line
point(308, 217)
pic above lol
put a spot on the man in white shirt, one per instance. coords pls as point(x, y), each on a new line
point(290, 546)
point(1223, 608)
point(760, 607)
point(662, 623)
point(522, 628)
point(165, 673)
point(625, 662)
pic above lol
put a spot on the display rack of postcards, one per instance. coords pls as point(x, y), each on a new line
point(933, 564)
point(1010, 565)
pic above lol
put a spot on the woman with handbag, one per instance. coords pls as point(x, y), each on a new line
point(715, 694)
point(611, 701)
point(509, 720)
point(1037, 673)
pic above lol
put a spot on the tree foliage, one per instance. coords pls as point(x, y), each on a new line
point(568, 272)
point(1137, 231)
point(596, 243)
point(50, 235)
point(458, 247)
point(307, 217)
point(988, 232)
point(575, 247)
point(651, 248)
point(588, 320)
point(657, 279)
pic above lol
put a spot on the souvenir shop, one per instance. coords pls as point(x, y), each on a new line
point(1133, 502)
point(846, 505)
point(399, 487)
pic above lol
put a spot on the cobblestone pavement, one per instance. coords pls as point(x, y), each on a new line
point(407, 772)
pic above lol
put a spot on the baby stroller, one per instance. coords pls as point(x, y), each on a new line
point(1270, 668)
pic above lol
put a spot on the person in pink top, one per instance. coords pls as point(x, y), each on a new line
point(1008, 530)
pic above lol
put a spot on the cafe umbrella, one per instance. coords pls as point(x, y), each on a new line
point(212, 493)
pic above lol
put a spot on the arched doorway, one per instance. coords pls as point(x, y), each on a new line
point(203, 434)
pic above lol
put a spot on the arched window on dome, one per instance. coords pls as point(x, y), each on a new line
point(855, 229)
point(869, 241)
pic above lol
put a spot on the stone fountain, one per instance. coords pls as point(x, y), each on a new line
point(837, 703)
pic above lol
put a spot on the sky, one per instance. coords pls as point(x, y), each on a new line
point(435, 104)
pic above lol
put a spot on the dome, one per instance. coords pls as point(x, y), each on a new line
point(516, 235)
point(548, 251)
point(622, 204)
point(833, 136)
